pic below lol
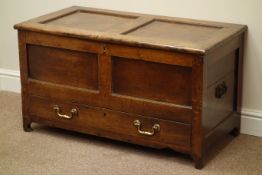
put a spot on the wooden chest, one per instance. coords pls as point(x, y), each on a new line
point(151, 80)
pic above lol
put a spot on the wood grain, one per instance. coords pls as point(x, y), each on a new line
point(160, 82)
point(116, 67)
point(171, 133)
point(218, 109)
point(78, 69)
point(68, 17)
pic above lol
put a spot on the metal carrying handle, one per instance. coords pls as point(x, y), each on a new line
point(220, 90)
point(155, 128)
point(73, 112)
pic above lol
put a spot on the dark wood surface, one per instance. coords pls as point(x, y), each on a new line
point(128, 78)
point(189, 35)
point(172, 133)
point(219, 108)
point(61, 66)
point(117, 67)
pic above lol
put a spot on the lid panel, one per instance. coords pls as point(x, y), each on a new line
point(102, 22)
point(143, 30)
point(175, 31)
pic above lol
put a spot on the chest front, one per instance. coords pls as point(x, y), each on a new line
point(156, 81)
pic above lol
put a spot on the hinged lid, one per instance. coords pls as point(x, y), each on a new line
point(186, 35)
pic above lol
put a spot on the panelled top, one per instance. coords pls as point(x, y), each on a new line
point(185, 35)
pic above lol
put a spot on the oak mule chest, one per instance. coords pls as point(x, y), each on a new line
point(157, 81)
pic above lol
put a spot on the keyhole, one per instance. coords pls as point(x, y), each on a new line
point(104, 114)
point(104, 50)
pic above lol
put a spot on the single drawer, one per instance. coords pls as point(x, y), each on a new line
point(107, 123)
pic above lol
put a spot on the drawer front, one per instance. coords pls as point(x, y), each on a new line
point(62, 66)
point(112, 124)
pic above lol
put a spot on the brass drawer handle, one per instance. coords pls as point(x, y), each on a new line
point(155, 128)
point(73, 112)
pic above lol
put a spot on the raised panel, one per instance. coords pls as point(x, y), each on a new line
point(153, 81)
point(181, 32)
point(92, 20)
point(62, 66)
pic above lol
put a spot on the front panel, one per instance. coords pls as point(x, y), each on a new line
point(63, 66)
point(148, 82)
point(153, 81)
